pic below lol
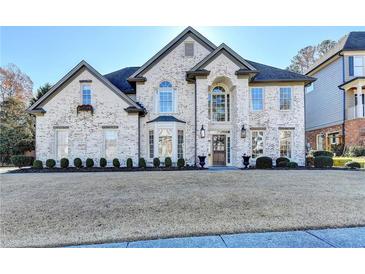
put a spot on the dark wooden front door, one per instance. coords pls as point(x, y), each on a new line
point(219, 150)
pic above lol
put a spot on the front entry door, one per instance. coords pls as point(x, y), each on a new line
point(219, 150)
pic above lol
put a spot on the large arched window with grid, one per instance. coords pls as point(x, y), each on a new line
point(166, 97)
point(219, 105)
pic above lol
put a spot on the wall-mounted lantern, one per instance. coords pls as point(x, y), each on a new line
point(202, 132)
point(243, 132)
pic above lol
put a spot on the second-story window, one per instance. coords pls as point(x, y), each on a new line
point(219, 105)
point(86, 95)
point(358, 65)
point(257, 99)
point(166, 97)
point(285, 98)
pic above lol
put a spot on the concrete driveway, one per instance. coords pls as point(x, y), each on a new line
point(62, 209)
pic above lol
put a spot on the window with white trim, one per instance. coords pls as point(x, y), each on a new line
point(151, 140)
point(86, 94)
point(166, 98)
point(320, 141)
point(286, 145)
point(257, 143)
point(180, 144)
point(257, 99)
point(285, 98)
point(358, 65)
point(61, 143)
point(219, 105)
point(165, 142)
point(110, 144)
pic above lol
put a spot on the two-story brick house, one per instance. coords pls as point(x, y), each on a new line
point(192, 98)
point(335, 112)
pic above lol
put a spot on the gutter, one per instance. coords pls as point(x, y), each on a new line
point(344, 103)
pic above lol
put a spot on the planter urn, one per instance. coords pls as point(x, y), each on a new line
point(246, 160)
point(202, 161)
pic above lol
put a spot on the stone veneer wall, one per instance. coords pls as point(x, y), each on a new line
point(171, 68)
point(85, 130)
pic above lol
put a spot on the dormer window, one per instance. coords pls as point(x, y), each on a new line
point(86, 95)
point(189, 49)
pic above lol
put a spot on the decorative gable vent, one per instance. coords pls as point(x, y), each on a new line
point(189, 49)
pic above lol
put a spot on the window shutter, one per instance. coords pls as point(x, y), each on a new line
point(351, 65)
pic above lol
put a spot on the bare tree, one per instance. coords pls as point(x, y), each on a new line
point(15, 83)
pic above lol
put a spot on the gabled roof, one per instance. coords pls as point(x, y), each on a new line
point(354, 41)
point(230, 53)
point(119, 79)
point(271, 74)
point(165, 118)
point(83, 64)
point(137, 75)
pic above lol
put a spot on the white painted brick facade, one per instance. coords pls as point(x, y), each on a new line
point(86, 133)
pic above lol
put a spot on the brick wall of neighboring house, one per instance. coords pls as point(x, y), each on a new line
point(311, 136)
point(355, 132)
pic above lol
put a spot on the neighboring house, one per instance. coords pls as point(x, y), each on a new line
point(335, 112)
point(192, 98)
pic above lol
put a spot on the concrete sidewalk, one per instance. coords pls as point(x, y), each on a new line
point(323, 238)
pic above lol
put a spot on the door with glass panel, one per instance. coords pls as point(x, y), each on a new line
point(219, 150)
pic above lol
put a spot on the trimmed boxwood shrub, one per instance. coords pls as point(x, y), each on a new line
point(322, 153)
point(129, 163)
point(292, 165)
point(180, 163)
point(50, 163)
point(64, 163)
point(116, 162)
point(352, 164)
point(21, 160)
point(323, 161)
point(156, 162)
point(263, 162)
point(38, 164)
point(103, 162)
point(282, 164)
point(168, 162)
point(281, 159)
point(89, 162)
point(142, 163)
point(77, 162)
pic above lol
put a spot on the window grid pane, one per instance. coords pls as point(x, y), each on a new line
point(285, 98)
point(228, 149)
point(180, 144)
point(151, 143)
point(285, 143)
point(86, 95)
point(166, 101)
point(257, 143)
point(257, 98)
point(62, 144)
point(110, 141)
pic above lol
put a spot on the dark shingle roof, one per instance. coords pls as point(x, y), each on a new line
point(268, 73)
point(166, 119)
point(119, 79)
point(355, 41)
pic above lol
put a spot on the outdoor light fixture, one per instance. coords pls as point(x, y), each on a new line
point(202, 132)
point(243, 132)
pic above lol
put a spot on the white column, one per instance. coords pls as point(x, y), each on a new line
point(359, 107)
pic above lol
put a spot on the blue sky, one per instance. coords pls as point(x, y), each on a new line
point(46, 54)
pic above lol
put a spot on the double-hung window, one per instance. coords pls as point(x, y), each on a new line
point(285, 98)
point(180, 144)
point(86, 95)
point(286, 143)
point(166, 98)
point(111, 144)
point(61, 143)
point(257, 142)
point(257, 99)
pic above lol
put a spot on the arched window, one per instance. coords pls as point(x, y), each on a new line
point(166, 97)
point(219, 105)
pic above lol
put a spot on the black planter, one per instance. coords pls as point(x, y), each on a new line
point(246, 160)
point(202, 161)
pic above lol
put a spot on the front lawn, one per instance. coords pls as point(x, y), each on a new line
point(341, 161)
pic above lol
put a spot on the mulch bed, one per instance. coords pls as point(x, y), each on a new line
point(100, 169)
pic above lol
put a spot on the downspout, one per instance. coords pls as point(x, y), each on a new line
point(196, 121)
point(139, 137)
point(344, 103)
point(305, 126)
